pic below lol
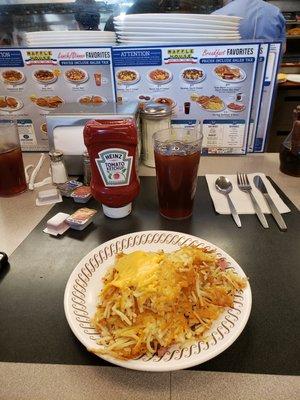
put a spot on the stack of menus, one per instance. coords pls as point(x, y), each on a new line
point(227, 88)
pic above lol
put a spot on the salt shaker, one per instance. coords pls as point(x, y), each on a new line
point(86, 169)
point(58, 169)
point(155, 117)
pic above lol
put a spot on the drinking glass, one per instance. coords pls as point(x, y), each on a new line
point(177, 155)
point(12, 175)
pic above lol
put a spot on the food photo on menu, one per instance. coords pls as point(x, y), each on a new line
point(156, 187)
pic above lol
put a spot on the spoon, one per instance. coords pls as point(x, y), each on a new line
point(224, 186)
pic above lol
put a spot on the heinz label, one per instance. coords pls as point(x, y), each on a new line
point(114, 166)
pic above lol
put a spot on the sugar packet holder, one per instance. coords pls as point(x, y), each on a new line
point(81, 218)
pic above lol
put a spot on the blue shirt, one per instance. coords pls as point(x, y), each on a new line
point(261, 20)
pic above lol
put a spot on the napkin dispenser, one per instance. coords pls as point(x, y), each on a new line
point(65, 128)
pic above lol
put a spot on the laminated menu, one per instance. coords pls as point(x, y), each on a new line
point(258, 93)
point(267, 98)
point(36, 81)
point(211, 83)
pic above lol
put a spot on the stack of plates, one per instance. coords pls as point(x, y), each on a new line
point(176, 28)
point(69, 38)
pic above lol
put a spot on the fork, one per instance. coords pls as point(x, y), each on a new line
point(244, 185)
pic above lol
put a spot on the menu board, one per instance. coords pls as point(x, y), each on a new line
point(36, 81)
point(258, 92)
point(213, 84)
point(268, 97)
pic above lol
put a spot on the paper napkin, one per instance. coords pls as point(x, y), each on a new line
point(242, 200)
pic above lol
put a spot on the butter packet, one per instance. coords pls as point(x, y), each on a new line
point(81, 218)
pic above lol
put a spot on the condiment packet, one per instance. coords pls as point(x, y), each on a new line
point(82, 194)
point(68, 187)
point(81, 218)
point(57, 225)
point(49, 196)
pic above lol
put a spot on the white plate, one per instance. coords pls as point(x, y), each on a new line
point(208, 110)
point(192, 81)
point(169, 35)
point(84, 285)
point(241, 79)
point(162, 82)
point(50, 108)
point(186, 21)
point(54, 79)
point(62, 42)
point(104, 100)
point(76, 82)
point(293, 78)
point(12, 109)
point(138, 77)
point(176, 40)
point(230, 109)
point(18, 82)
point(167, 17)
point(175, 24)
point(175, 30)
point(68, 33)
point(170, 42)
point(165, 97)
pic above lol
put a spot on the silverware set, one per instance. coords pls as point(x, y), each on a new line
point(224, 186)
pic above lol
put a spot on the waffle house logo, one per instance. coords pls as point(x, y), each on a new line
point(180, 56)
point(40, 57)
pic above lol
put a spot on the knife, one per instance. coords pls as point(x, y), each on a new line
point(258, 182)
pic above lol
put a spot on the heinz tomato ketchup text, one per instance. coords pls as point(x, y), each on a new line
point(112, 147)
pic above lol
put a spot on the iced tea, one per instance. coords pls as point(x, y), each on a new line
point(176, 164)
point(12, 176)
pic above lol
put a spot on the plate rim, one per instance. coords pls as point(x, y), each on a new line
point(48, 108)
point(53, 80)
point(135, 81)
point(193, 82)
point(151, 367)
point(295, 78)
point(227, 80)
point(19, 107)
point(165, 81)
point(19, 82)
point(84, 80)
point(91, 95)
point(212, 17)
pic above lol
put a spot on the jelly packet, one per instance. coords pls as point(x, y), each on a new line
point(81, 218)
point(68, 187)
point(82, 194)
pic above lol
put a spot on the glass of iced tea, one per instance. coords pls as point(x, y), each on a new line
point(177, 155)
point(12, 175)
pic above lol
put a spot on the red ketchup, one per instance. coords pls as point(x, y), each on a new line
point(112, 147)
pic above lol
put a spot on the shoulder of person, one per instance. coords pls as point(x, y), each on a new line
point(273, 10)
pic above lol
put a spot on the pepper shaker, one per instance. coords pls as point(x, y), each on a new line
point(86, 169)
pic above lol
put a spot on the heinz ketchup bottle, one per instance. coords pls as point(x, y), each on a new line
point(112, 147)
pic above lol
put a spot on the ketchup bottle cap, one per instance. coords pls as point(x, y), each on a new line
point(116, 213)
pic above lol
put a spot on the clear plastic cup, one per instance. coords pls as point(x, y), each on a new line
point(12, 175)
point(177, 155)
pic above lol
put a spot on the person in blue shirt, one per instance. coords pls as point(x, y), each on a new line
point(260, 19)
